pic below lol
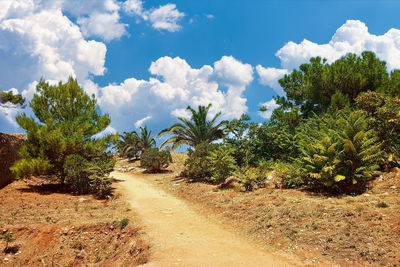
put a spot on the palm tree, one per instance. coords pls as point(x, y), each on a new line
point(129, 146)
point(133, 144)
point(194, 131)
point(145, 140)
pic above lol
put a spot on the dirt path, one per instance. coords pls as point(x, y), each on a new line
point(183, 237)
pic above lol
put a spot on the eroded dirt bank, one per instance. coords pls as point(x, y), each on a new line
point(52, 227)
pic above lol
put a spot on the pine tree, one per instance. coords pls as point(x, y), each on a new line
point(66, 119)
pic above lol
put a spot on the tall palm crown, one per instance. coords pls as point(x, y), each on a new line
point(145, 140)
point(128, 146)
point(132, 143)
point(194, 131)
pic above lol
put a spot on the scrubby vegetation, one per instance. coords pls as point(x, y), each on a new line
point(336, 128)
point(60, 139)
point(154, 160)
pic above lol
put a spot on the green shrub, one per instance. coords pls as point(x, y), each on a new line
point(154, 160)
point(361, 154)
point(251, 177)
point(290, 174)
point(222, 164)
point(8, 237)
point(383, 116)
point(339, 152)
point(198, 164)
point(321, 161)
point(102, 165)
point(77, 174)
point(89, 176)
point(382, 205)
point(34, 166)
point(123, 223)
point(100, 185)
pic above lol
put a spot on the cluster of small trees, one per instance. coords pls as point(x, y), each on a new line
point(143, 146)
point(335, 129)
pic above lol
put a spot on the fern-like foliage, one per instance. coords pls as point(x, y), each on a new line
point(361, 154)
point(222, 164)
point(318, 143)
point(339, 151)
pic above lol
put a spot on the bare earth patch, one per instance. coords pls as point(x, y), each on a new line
point(361, 230)
point(55, 228)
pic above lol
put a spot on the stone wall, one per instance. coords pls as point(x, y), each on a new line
point(10, 144)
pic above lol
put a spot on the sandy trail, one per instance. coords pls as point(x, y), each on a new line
point(182, 237)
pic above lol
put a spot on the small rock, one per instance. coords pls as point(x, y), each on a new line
point(176, 184)
point(131, 168)
point(82, 199)
point(386, 194)
point(393, 187)
point(367, 195)
point(65, 231)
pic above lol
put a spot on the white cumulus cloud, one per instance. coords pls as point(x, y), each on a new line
point(270, 77)
point(104, 25)
point(174, 86)
point(133, 7)
point(140, 122)
point(107, 131)
point(53, 44)
point(165, 17)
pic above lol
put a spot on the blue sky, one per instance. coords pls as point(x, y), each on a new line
point(146, 61)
